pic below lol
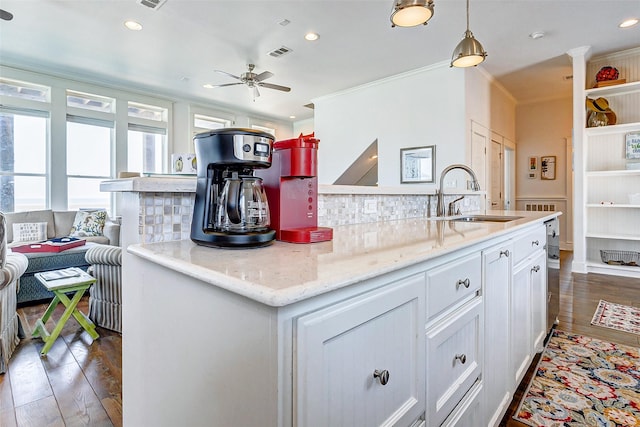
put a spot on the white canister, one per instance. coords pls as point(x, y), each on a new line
point(183, 163)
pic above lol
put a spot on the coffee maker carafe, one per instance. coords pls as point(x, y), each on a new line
point(231, 208)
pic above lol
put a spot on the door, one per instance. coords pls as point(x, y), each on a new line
point(496, 284)
point(520, 314)
point(539, 300)
point(479, 139)
point(496, 173)
point(361, 362)
point(509, 181)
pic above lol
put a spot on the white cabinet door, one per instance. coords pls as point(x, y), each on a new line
point(520, 324)
point(361, 362)
point(454, 360)
point(496, 285)
point(538, 279)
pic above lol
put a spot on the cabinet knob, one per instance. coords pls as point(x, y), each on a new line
point(382, 376)
point(461, 357)
point(464, 283)
point(505, 253)
point(535, 242)
point(535, 268)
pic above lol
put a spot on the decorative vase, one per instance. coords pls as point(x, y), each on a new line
point(597, 118)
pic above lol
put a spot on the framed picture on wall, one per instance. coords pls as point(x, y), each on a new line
point(532, 171)
point(418, 164)
point(548, 167)
point(632, 145)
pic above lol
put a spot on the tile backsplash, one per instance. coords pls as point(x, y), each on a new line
point(167, 216)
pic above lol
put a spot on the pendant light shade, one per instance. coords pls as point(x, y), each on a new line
point(409, 13)
point(469, 51)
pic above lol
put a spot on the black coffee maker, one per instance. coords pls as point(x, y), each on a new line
point(231, 208)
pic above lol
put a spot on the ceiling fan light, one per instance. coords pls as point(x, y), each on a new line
point(409, 13)
point(468, 53)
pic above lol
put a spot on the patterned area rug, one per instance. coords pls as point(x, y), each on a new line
point(617, 316)
point(582, 381)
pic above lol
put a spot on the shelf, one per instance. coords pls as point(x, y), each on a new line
point(622, 89)
point(621, 172)
point(604, 130)
point(611, 236)
point(618, 270)
point(619, 205)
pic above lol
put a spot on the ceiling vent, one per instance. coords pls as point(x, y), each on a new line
point(152, 4)
point(282, 50)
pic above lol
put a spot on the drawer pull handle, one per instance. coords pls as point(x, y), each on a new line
point(461, 357)
point(535, 242)
point(464, 283)
point(505, 253)
point(382, 376)
point(535, 268)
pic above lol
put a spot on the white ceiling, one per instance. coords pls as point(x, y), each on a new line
point(183, 41)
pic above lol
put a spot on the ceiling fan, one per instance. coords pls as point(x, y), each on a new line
point(253, 81)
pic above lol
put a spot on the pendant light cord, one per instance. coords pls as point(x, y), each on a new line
point(467, 15)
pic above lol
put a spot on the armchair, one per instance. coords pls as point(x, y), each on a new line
point(12, 266)
point(105, 296)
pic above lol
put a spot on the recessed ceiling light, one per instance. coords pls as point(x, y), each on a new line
point(628, 23)
point(292, 117)
point(536, 35)
point(208, 86)
point(133, 25)
point(312, 36)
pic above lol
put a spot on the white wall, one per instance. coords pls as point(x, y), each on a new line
point(419, 108)
point(544, 129)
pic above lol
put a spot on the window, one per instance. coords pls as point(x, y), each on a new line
point(89, 143)
point(87, 101)
point(202, 123)
point(147, 138)
point(23, 170)
point(25, 91)
point(145, 149)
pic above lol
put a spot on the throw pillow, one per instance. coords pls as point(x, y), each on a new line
point(29, 231)
point(88, 223)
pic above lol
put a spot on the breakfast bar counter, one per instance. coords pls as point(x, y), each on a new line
point(406, 323)
point(285, 273)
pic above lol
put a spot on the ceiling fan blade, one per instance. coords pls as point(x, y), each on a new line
point(263, 76)
point(227, 84)
point(228, 74)
point(276, 87)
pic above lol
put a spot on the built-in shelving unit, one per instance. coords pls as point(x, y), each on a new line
point(611, 213)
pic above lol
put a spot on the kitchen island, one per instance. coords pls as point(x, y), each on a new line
point(384, 325)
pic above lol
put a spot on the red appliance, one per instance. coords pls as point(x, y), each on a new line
point(291, 184)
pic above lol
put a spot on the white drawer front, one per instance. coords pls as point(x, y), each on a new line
point(339, 349)
point(453, 282)
point(529, 242)
point(454, 349)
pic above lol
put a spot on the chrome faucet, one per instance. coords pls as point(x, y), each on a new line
point(475, 186)
point(452, 207)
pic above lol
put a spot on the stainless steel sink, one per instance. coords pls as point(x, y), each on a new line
point(485, 218)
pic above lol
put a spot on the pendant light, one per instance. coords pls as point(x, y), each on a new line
point(409, 13)
point(469, 51)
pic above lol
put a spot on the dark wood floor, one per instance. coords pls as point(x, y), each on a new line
point(80, 383)
point(579, 297)
point(77, 384)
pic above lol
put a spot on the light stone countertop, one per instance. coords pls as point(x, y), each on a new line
point(285, 273)
point(187, 184)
